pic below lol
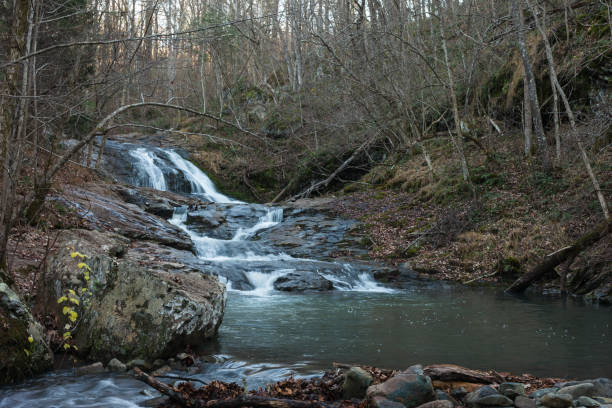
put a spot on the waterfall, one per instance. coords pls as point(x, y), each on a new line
point(261, 265)
point(145, 165)
point(273, 217)
point(199, 181)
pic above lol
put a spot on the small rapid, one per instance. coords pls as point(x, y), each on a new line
point(261, 264)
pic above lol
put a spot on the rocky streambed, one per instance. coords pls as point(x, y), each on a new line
point(265, 292)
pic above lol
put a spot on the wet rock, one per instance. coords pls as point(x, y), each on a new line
point(302, 281)
point(415, 369)
point(205, 219)
point(540, 393)
point(512, 389)
point(95, 368)
point(603, 400)
point(586, 402)
point(159, 363)
point(578, 390)
point(116, 365)
point(23, 349)
point(140, 307)
point(382, 402)
point(411, 390)
point(488, 396)
point(603, 386)
point(556, 400)
point(162, 371)
point(356, 383)
point(459, 392)
point(442, 396)
point(102, 209)
point(523, 402)
point(138, 362)
point(437, 404)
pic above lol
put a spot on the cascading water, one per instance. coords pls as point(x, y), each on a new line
point(261, 265)
point(149, 174)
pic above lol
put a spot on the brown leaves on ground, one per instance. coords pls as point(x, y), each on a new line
point(328, 388)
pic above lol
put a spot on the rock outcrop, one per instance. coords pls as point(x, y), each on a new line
point(144, 303)
point(23, 349)
point(302, 281)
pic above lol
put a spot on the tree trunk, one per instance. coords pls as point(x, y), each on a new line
point(556, 258)
point(533, 94)
point(570, 114)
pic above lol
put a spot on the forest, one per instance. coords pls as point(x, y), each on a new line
point(245, 194)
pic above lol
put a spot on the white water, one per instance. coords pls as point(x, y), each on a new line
point(273, 217)
point(236, 250)
point(146, 163)
point(263, 283)
point(200, 182)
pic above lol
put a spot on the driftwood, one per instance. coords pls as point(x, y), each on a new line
point(331, 177)
point(558, 257)
point(244, 400)
point(451, 372)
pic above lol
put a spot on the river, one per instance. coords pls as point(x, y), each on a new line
point(267, 334)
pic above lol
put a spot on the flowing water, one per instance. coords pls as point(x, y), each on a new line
point(267, 335)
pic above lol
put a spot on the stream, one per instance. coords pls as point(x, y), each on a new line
point(268, 334)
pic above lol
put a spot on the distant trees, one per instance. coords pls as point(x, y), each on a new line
point(348, 76)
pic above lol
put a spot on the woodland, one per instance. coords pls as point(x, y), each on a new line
point(471, 140)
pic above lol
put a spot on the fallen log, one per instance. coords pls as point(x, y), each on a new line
point(244, 400)
point(455, 373)
point(558, 257)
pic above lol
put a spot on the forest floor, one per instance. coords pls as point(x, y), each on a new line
point(516, 215)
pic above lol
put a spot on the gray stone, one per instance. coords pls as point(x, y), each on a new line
point(415, 369)
point(302, 281)
point(438, 404)
point(159, 363)
point(95, 368)
point(138, 362)
point(512, 389)
point(489, 396)
point(382, 402)
point(523, 402)
point(586, 402)
point(557, 400)
point(162, 371)
point(145, 305)
point(578, 390)
point(23, 348)
point(540, 393)
point(442, 396)
point(411, 390)
point(356, 383)
point(603, 400)
point(459, 392)
point(116, 365)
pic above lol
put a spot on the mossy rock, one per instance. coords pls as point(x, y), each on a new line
point(23, 350)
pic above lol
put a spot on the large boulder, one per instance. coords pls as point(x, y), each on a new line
point(105, 210)
point(411, 390)
point(145, 303)
point(356, 383)
point(302, 281)
point(23, 349)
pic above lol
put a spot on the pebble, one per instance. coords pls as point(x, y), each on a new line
point(95, 368)
point(524, 402)
point(557, 400)
point(116, 365)
point(586, 402)
point(578, 390)
point(512, 389)
point(437, 404)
